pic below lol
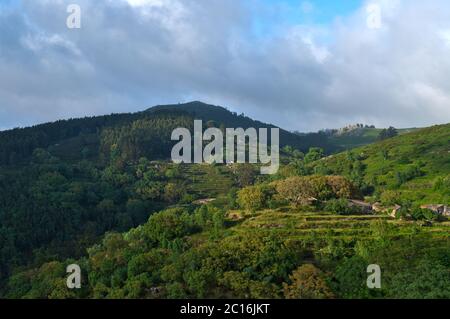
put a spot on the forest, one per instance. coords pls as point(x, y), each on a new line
point(102, 193)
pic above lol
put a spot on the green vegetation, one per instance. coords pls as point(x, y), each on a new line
point(100, 193)
point(387, 133)
point(415, 165)
point(361, 136)
point(288, 253)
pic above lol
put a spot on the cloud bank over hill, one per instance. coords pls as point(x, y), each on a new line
point(131, 54)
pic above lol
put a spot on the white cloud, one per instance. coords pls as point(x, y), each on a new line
point(131, 54)
point(140, 3)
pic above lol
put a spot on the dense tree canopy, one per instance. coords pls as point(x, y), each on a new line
point(99, 192)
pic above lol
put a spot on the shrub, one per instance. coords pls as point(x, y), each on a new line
point(307, 282)
point(410, 173)
point(168, 225)
point(429, 280)
point(342, 187)
point(341, 207)
point(299, 190)
point(442, 184)
point(255, 197)
point(314, 154)
point(173, 193)
point(389, 198)
point(423, 214)
point(296, 190)
point(350, 278)
point(387, 133)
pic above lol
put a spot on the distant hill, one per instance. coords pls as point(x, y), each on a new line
point(222, 116)
point(142, 133)
point(359, 137)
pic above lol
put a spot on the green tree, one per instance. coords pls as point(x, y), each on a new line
point(387, 133)
point(314, 154)
point(254, 198)
point(307, 282)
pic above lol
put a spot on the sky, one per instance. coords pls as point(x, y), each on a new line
point(302, 65)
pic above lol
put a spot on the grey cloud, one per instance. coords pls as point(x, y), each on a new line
point(305, 77)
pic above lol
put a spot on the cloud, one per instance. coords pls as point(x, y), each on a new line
point(131, 54)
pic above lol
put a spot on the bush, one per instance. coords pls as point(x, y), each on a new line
point(300, 190)
point(350, 278)
point(428, 280)
point(168, 225)
point(341, 207)
point(232, 198)
point(254, 198)
point(410, 173)
point(173, 193)
point(390, 198)
point(423, 214)
point(442, 185)
point(387, 133)
point(307, 282)
point(314, 154)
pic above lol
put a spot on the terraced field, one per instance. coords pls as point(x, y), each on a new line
point(295, 224)
point(207, 180)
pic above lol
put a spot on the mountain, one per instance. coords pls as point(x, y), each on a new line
point(142, 133)
point(102, 193)
point(66, 183)
point(256, 242)
point(220, 116)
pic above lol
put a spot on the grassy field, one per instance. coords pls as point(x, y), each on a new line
point(208, 181)
point(295, 224)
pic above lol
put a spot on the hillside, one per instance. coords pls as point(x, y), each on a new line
point(100, 192)
point(416, 165)
point(77, 139)
point(65, 184)
point(269, 253)
point(359, 137)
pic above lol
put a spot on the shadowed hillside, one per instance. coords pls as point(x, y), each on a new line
point(147, 131)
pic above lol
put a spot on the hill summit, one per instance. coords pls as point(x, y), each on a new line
point(137, 132)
